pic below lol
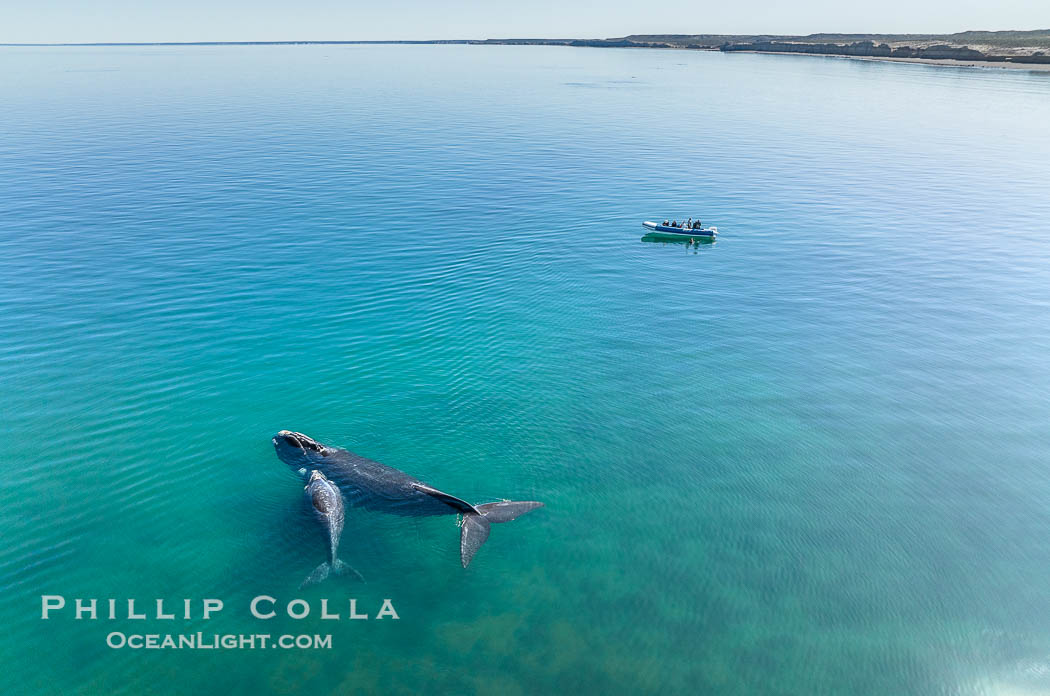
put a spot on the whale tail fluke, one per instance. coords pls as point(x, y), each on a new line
point(319, 575)
point(326, 570)
point(474, 530)
point(472, 534)
point(340, 568)
point(507, 510)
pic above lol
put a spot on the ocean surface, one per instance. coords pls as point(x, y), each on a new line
point(812, 457)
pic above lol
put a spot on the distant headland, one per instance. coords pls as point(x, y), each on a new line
point(1029, 49)
point(984, 47)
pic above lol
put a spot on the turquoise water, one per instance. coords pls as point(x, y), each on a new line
point(810, 458)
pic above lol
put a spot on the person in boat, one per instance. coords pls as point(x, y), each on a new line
point(689, 223)
point(666, 223)
point(674, 223)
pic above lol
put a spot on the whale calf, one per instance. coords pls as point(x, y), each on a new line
point(326, 503)
point(376, 486)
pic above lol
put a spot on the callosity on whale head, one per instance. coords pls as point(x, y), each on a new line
point(301, 452)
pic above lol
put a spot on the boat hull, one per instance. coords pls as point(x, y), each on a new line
point(657, 229)
point(657, 238)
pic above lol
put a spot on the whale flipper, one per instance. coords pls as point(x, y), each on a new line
point(507, 510)
point(451, 500)
point(323, 571)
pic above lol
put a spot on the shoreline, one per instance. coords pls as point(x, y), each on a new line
point(942, 62)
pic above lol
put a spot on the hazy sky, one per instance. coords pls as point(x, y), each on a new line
point(47, 21)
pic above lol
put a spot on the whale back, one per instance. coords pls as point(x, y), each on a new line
point(370, 484)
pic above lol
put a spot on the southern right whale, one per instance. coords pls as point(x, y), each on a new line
point(379, 487)
point(326, 502)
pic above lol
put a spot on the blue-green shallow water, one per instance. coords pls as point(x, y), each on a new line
point(811, 458)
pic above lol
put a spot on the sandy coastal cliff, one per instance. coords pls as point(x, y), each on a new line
point(869, 49)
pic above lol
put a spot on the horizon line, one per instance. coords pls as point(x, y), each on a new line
point(287, 42)
point(282, 42)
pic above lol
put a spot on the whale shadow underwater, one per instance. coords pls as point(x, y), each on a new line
point(374, 486)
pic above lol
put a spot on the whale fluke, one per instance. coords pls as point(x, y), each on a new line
point(507, 510)
point(319, 575)
point(324, 571)
point(472, 534)
point(475, 528)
